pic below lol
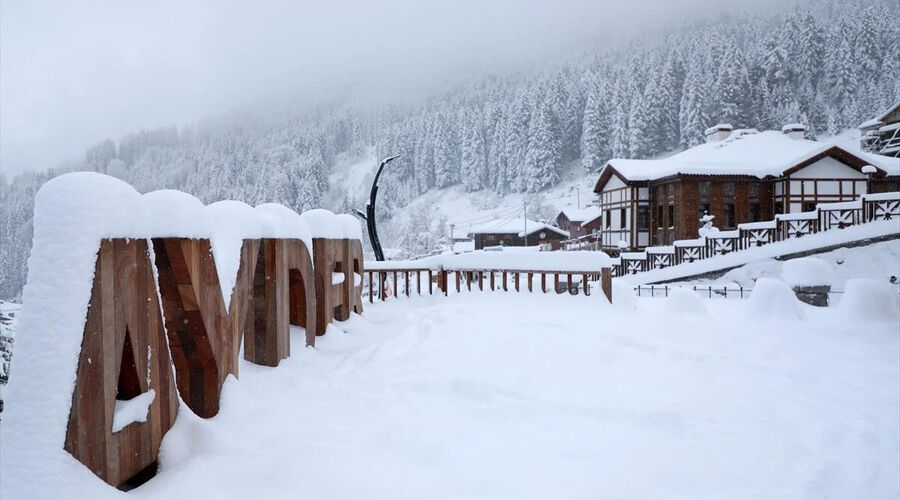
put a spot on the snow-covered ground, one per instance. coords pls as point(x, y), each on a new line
point(492, 395)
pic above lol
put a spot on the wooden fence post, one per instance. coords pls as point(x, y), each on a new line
point(606, 283)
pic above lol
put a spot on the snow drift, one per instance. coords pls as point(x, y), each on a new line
point(870, 300)
point(774, 299)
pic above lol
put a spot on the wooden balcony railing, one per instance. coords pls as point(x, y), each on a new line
point(387, 281)
point(825, 217)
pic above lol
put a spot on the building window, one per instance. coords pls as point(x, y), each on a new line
point(729, 216)
point(809, 206)
point(704, 189)
point(671, 216)
point(753, 191)
point(753, 215)
point(671, 190)
point(622, 219)
point(779, 207)
point(703, 210)
point(608, 219)
point(728, 190)
point(643, 222)
point(659, 216)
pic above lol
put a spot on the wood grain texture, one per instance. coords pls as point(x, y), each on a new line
point(123, 350)
point(331, 300)
point(204, 336)
point(351, 292)
point(126, 351)
point(283, 287)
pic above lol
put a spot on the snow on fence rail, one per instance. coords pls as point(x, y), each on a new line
point(709, 291)
point(826, 217)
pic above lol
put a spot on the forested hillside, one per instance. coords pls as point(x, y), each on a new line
point(829, 66)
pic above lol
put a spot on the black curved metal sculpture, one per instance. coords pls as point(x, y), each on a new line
point(370, 211)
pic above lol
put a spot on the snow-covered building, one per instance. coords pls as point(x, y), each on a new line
point(516, 232)
point(579, 221)
point(881, 134)
point(737, 176)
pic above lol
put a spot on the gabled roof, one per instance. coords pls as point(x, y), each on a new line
point(581, 214)
point(515, 226)
point(743, 153)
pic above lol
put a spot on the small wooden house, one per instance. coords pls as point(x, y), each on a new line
point(737, 176)
point(579, 221)
point(516, 232)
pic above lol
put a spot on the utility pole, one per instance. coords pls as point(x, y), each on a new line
point(525, 220)
point(578, 194)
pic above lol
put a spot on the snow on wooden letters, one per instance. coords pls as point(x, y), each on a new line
point(124, 351)
point(177, 289)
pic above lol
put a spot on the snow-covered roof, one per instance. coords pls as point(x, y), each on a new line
point(880, 118)
point(743, 152)
point(718, 127)
point(515, 226)
point(582, 215)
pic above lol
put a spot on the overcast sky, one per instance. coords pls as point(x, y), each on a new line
point(75, 72)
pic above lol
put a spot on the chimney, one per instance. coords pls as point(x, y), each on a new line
point(718, 132)
point(794, 130)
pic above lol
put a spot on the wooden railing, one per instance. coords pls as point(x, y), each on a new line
point(826, 217)
point(380, 284)
point(585, 242)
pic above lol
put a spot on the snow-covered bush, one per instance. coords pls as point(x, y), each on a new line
point(774, 299)
point(872, 300)
point(684, 301)
point(807, 271)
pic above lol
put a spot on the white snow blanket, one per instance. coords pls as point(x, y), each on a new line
point(494, 395)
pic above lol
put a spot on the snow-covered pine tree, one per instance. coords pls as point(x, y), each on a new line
point(692, 112)
point(595, 146)
point(542, 161)
point(733, 85)
point(473, 162)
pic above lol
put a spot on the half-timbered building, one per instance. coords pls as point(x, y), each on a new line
point(737, 176)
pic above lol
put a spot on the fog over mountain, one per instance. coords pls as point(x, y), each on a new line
point(76, 73)
point(260, 104)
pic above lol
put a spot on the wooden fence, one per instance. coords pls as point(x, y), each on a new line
point(379, 284)
point(826, 217)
